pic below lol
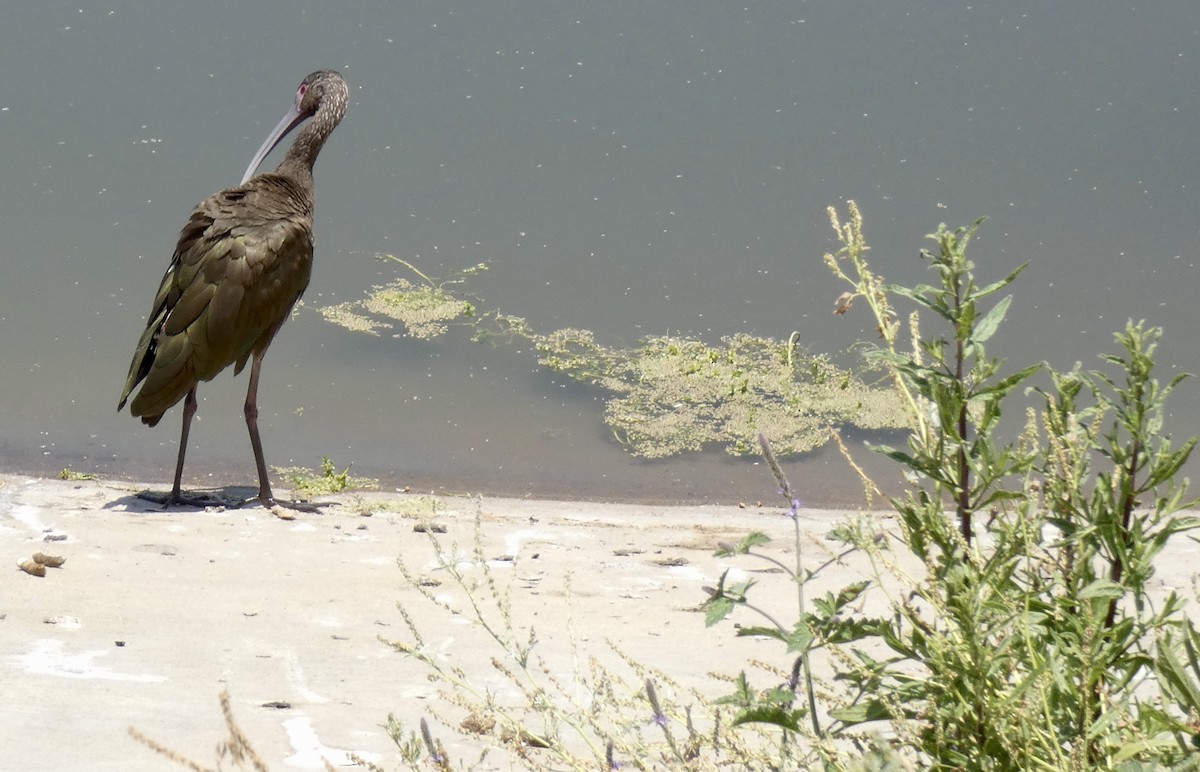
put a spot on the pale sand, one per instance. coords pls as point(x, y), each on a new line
point(154, 613)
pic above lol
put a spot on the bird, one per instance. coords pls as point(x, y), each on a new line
point(242, 261)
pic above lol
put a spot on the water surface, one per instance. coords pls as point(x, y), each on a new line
point(630, 168)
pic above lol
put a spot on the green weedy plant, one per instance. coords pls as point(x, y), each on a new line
point(1181, 682)
point(1110, 492)
point(1028, 638)
point(829, 623)
point(325, 483)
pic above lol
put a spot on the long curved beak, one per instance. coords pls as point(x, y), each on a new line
point(291, 120)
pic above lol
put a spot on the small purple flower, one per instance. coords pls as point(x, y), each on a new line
point(435, 753)
point(660, 718)
point(608, 757)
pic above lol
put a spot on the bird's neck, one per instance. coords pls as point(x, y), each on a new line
point(298, 163)
point(303, 153)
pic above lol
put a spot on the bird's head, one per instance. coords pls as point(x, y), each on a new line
point(323, 94)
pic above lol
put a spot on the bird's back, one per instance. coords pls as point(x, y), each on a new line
point(242, 261)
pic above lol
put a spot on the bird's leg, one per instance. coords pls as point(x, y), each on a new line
point(177, 496)
point(189, 411)
point(251, 410)
point(265, 497)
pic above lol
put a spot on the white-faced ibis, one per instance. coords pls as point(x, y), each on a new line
point(242, 261)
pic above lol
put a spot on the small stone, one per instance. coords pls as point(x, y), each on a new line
point(50, 561)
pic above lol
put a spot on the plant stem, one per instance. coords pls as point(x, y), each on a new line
point(1127, 503)
point(964, 469)
point(785, 490)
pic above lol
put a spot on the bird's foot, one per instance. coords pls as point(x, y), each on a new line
point(287, 510)
point(199, 500)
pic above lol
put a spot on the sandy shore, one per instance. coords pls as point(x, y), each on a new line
point(154, 613)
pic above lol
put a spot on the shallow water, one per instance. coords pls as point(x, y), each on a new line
point(633, 169)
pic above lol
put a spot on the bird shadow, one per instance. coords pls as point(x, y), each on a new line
point(211, 499)
point(200, 499)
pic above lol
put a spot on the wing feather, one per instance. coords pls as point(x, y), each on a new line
point(242, 261)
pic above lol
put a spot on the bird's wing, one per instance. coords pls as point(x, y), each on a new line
point(242, 261)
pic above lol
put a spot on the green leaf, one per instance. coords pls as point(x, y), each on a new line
point(785, 719)
point(1006, 384)
point(1167, 467)
point(1136, 748)
point(1175, 677)
point(999, 285)
point(872, 710)
point(925, 465)
point(717, 609)
point(754, 540)
point(766, 632)
point(1105, 589)
point(743, 694)
point(742, 547)
point(987, 326)
point(778, 695)
point(1183, 523)
point(855, 629)
point(801, 638)
point(851, 592)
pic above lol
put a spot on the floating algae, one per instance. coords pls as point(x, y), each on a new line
point(424, 309)
point(674, 394)
point(670, 394)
